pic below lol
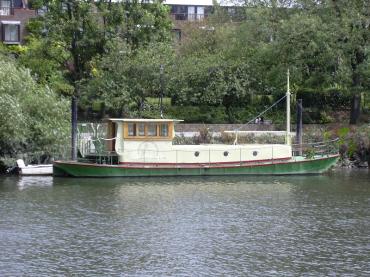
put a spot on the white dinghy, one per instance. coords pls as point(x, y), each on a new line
point(40, 169)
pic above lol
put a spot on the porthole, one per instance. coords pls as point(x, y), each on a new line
point(196, 154)
point(226, 153)
point(255, 153)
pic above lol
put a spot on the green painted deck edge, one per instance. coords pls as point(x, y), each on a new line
point(309, 166)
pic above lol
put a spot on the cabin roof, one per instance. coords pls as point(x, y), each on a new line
point(142, 120)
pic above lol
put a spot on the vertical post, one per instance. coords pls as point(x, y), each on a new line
point(287, 136)
point(74, 128)
point(272, 153)
point(162, 90)
point(299, 128)
point(355, 109)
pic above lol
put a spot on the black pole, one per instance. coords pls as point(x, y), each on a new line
point(162, 91)
point(355, 109)
point(299, 128)
point(74, 128)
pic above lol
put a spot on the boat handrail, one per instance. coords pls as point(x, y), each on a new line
point(314, 148)
point(308, 150)
point(277, 133)
point(318, 143)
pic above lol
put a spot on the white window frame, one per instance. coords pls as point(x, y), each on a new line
point(4, 25)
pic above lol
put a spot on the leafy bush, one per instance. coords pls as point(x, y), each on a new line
point(332, 97)
point(197, 114)
point(32, 117)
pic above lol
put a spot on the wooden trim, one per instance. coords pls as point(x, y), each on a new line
point(169, 137)
point(148, 139)
point(111, 133)
point(171, 130)
point(125, 130)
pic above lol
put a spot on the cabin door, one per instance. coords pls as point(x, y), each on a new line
point(111, 133)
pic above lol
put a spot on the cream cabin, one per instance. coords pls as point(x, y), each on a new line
point(150, 141)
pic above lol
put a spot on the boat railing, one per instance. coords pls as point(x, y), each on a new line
point(310, 150)
point(101, 157)
point(208, 155)
point(46, 156)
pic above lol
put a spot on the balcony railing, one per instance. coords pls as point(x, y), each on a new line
point(188, 16)
point(6, 11)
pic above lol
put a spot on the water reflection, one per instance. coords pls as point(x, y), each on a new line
point(25, 182)
point(201, 226)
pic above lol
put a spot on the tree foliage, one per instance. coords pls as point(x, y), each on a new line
point(325, 44)
point(74, 33)
point(32, 117)
point(111, 52)
point(125, 76)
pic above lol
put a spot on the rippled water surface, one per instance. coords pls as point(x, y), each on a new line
point(228, 226)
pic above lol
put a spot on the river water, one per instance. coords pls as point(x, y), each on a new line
point(203, 226)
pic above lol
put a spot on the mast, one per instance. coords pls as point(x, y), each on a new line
point(299, 128)
point(288, 139)
point(162, 88)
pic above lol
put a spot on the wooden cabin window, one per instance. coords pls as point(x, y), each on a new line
point(141, 130)
point(163, 130)
point(152, 130)
point(132, 129)
point(148, 130)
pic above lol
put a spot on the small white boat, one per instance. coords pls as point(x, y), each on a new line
point(40, 169)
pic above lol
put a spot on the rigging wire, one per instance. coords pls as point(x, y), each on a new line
point(266, 110)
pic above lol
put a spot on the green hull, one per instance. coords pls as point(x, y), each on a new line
point(298, 165)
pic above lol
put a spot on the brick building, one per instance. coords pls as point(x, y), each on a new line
point(14, 15)
point(185, 13)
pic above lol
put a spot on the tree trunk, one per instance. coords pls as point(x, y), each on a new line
point(355, 109)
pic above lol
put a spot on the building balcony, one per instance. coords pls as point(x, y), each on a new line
point(10, 7)
point(188, 17)
point(6, 11)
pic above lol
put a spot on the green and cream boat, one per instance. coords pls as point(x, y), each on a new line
point(157, 156)
point(144, 147)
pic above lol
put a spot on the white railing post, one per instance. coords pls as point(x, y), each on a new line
point(287, 136)
point(272, 153)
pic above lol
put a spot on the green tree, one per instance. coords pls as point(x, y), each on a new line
point(347, 22)
point(32, 117)
point(75, 32)
point(126, 76)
